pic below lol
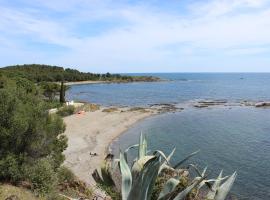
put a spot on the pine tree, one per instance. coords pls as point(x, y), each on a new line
point(62, 93)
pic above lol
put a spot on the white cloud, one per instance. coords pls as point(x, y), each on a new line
point(147, 37)
point(221, 7)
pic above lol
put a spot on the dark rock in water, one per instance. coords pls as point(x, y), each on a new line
point(247, 103)
point(206, 103)
point(262, 104)
point(200, 106)
point(165, 107)
point(183, 79)
point(161, 104)
point(213, 102)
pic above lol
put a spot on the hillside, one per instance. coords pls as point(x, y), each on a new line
point(39, 73)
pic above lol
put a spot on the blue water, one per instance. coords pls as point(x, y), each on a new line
point(230, 138)
point(235, 139)
point(180, 88)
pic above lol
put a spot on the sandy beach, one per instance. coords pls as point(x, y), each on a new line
point(84, 82)
point(93, 132)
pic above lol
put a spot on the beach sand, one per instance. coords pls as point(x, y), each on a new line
point(93, 132)
point(85, 82)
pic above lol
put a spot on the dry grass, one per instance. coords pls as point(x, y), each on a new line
point(88, 107)
point(75, 189)
point(7, 190)
point(109, 110)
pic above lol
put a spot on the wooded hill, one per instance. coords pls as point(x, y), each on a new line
point(39, 73)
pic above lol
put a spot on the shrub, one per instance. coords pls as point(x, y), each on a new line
point(42, 176)
point(110, 191)
point(29, 136)
point(66, 111)
point(65, 175)
point(9, 168)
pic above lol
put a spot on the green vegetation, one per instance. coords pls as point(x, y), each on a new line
point(39, 73)
point(42, 176)
point(110, 191)
point(153, 177)
point(30, 138)
point(65, 175)
point(66, 111)
point(32, 143)
point(52, 90)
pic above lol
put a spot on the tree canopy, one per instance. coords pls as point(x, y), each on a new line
point(39, 73)
point(28, 133)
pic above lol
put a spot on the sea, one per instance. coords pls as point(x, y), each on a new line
point(230, 138)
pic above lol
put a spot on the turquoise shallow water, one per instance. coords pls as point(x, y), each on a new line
point(236, 138)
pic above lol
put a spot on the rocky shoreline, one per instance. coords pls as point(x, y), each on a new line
point(211, 103)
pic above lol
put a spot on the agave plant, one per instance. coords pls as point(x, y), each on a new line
point(138, 181)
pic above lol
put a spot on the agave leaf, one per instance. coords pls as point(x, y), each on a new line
point(185, 159)
point(204, 182)
point(207, 182)
point(129, 148)
point(138, 166)
point(169, 186)
point(224, 189)
point(204, 171)
point(197, 170)
point(145, 145)
point(106, 174)
point(166, 161)
point(185, 192)
point(126, 177)
point(97, 177)
point(143, 185)
point(154, 174)
point(212, 193)
point(142, 147)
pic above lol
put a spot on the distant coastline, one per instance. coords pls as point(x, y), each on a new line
point(47, 73)
point(154, 79)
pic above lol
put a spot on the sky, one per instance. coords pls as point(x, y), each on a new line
point(137, 35)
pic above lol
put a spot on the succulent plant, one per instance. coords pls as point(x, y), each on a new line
point(138, 181)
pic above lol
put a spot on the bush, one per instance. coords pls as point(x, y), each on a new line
point(66, 111)
point(65, 175)
point(9, 168)
point(110, 191)
point(42, 176)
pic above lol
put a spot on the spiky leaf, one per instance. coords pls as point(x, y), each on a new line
point(185, 159)
point(185, 192)
point(143, 185)
point(212, 193)
point(126, 177)
point(169, 186)
point(224, 189)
